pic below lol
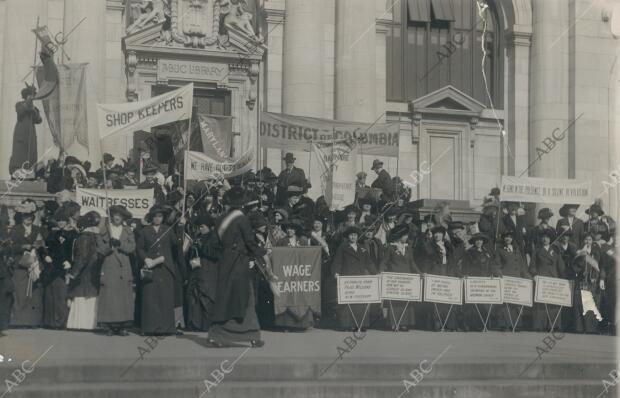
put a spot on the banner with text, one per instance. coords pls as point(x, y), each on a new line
point(142, 115)
point(299, 279)
point(137, 201)
point(400, 286)
point(481, 290)
point(337, 164)
point(199, 166)
point(298, 133)
point(359, 289)
point(518, 291)
point(216, 134)
point(443, 289)
point(546, 190)
point(553, 291)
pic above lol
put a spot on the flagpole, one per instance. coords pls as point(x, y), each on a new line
point(189, 136)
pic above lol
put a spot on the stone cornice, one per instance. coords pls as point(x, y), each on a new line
point(519, 38)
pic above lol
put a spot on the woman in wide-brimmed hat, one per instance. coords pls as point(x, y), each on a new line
point(352, 259)
point(83, 276)
point(156, 248)
point(115, 309)
point(399, 258)
point(570, 222)
point(511, 262)
point(294, 237)
point(28, 295)
point(543, 228)
point(59, 250)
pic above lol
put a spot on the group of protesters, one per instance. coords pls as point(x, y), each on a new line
point(200, 259)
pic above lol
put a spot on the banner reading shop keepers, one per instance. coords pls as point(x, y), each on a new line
point(299, 279)
point(137, 201)
point(199, 166)
point(142, 115)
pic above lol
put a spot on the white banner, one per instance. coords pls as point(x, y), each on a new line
point(142, 115)
point(518, 291)
point(480, 290)
point(362, 289)
point(400, 286)
point(546, 190)
point(443, 289)
point(199, 166)
point(553, 291)
point(137, 201)
point(338, 165)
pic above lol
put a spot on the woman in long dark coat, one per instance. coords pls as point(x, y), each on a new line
point(352, 259)
point(28, 293)
point(155, 247)
point(6, 281)
point(399, 258)
point(547, 261)
point(24, 154)
point(234, 316)
point(590, 282)
point(83, 277)
point(60, 251)
point(511, 262)
point(115, 307)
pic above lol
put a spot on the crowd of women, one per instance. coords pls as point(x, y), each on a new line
point(199, 260)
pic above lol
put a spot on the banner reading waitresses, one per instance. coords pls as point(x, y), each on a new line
point(546, 190)
point(299, 279)
point(137, 201)
point(298, 133)
point(199, 166)
point(142, 115)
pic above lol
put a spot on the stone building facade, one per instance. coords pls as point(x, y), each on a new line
point(551, 68)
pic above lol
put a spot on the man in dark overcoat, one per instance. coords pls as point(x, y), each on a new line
point(291, 175)
point(383, 181)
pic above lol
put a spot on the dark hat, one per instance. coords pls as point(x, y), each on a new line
point(293, 190)
point(494, 192)
point(398, 232)
point(282, 212)
point(545, 213)
point(437, 229)
point(376, 164)
point(90, 219)
point(352, 230)
point(157, 209)
point(428, 218)
point(258, 220)
point(235, 197)
point(478, 236)
point(107, 158)
point(69, 160)
point(456, 225)
point(550, 232)
point(512, 205)
point(352, 209)
point(122, 210)
point(405, 213)
point(390, 212)
point(596, 209)
point(365, 201)
point(28, 90)
point(152, 169)
point(289, 158)
point(296, 224)
point(565, 208)
point(265, 174)
point(61, 215)
point(361, 174)
point(510, 233)
point(174, 197)
point(204, 219)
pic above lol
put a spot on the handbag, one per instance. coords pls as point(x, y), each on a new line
point(146, 275)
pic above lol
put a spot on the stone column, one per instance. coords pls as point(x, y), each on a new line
point(17, 57)
point(302, 63)
point(355, 60)
point(549, 95)
point(517, 99)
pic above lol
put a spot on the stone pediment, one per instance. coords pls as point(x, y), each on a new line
point(447, 101)
point(235, 45)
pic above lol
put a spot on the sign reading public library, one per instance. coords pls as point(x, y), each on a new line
point(360, 289)
point(191, 70)
point(400, 286)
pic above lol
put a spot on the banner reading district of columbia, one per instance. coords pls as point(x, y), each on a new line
point(137, 201)
point(298, 133)
point(199, 166)
point(546, 190)
point(299, 280)
point(142, 115)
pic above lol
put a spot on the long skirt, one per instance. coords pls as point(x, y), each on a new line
point(476, 317)
point(353, 316)
point(543, 317)
point(27, 308)
point(158, 303)
point(398, 314)
point(82, 313)
point(55, 311)
point(116, 301)
point(232, 331)
point(507, 314)
point(440, 315)
point(290, 321)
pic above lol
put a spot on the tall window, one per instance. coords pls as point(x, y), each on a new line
point(434, 43)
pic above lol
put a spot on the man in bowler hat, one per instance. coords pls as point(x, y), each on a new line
point(291, 175)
